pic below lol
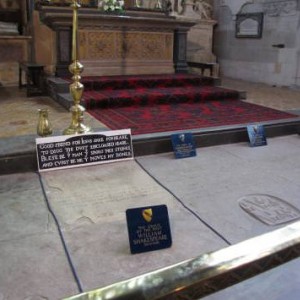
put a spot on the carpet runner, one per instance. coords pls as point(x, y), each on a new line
point(143, 81)
point(161, 103)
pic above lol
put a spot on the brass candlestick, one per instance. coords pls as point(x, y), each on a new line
point(76, 88)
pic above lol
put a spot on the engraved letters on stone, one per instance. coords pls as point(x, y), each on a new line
point(269, 209)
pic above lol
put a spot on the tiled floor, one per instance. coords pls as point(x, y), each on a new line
point(19, 114)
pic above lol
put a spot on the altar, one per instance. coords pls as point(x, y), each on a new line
point(134, 42)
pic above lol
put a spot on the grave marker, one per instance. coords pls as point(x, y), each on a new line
point(89, 149)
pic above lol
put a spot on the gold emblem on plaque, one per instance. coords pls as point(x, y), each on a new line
point(147, 214)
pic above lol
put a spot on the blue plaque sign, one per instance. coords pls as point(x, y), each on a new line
point(256, 135)
point(183, 145)
point(148, 228)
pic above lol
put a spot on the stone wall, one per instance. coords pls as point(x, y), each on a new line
point(273, 58)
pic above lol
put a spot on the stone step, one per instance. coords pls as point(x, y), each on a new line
point(154, 96)
point(144, 81)
point(65, 100)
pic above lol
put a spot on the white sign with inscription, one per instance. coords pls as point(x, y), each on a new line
point(71, 151)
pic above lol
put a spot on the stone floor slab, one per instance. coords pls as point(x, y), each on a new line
point(35, 268)
point(101, 193)
point(90, 204)
point(102, 256)
point(23, 210)
point(213, 182)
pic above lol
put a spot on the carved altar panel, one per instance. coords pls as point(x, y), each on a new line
point(132, 52)
point(156, 46)
point(95, 45)
point(130, 45)
point(112, 44)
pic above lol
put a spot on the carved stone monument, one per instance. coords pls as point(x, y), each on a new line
point(200, 37)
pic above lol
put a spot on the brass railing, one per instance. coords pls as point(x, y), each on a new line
point(208, 273)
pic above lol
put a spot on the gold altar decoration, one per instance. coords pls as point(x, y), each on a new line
point(76, 88)
point(44, 127)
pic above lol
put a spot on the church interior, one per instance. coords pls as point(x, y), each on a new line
point(176, 79)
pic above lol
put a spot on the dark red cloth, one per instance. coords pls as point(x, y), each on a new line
point(185, 116)
point(160, 103)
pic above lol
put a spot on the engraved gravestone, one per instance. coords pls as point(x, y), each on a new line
point(269, 209)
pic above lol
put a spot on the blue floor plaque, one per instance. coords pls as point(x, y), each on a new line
point(256, 135)
point(183, 145)
point(148, 228)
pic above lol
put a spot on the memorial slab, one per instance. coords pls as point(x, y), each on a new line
point(212, 183)
point(24, 206)
point(101, 252)
point(280, 157)
point(33, 262)
point(35, 267)
point(90, 204)
point(269, 210)
point(100, 193)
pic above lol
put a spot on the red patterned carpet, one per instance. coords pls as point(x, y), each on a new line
point(161, 103)
point(168, 117)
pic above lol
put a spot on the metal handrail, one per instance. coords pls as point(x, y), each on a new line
point(207, 273)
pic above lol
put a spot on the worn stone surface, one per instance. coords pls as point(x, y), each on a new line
point(35, 267)
point(32, 259)
point(90, 204)
point(101, 251)
point(268, 209)
point(214, 181)
point(101, 193)
point(22, 207)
